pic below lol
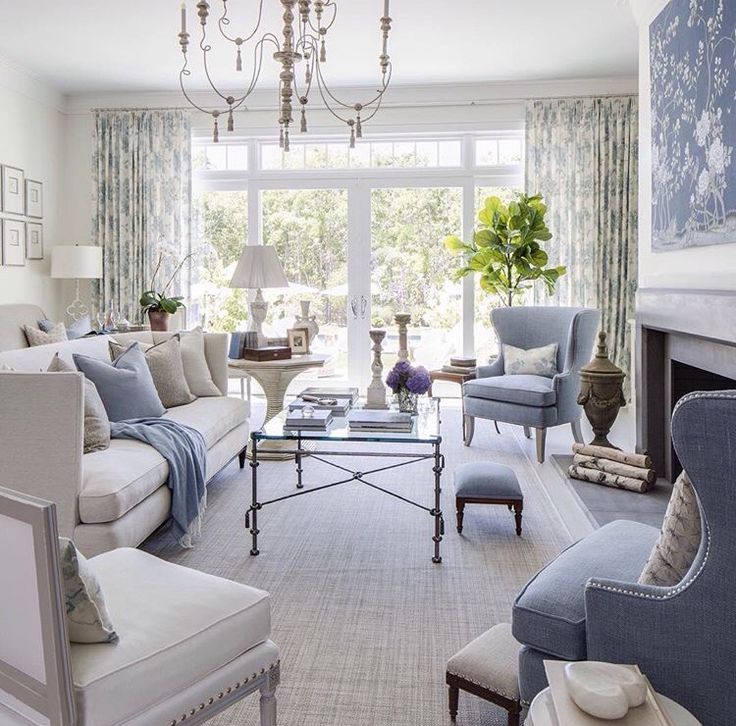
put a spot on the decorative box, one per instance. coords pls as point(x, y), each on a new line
point(272, 352)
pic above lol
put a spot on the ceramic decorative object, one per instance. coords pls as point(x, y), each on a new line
point(403, 320)
point(601, 393)
point(307, 321)
point(159, 320)
point(605, 690)
point(376, 397)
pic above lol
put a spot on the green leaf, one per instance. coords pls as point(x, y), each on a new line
point(454, 244)
point(539, 258)
point(484, 238)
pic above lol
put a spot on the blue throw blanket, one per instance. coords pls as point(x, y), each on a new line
point(185, 451)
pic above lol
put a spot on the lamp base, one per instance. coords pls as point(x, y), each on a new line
point(258, 310)
point(77, 309)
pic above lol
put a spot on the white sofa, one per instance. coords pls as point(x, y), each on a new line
point(106, 499)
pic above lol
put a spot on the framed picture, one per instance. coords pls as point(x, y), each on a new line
point(298, 340)
point(34, 199)
point(13, 190)
point(34, 241)
point(14, 242)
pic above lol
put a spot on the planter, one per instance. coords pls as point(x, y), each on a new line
point(407, 401)
point(159, 320)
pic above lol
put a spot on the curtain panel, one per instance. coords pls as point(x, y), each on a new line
point(582, 155)
point(142, 202)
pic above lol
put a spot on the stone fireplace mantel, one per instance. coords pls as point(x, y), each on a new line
point(695, 329)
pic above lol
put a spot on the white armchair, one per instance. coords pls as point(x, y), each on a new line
point(189, 646)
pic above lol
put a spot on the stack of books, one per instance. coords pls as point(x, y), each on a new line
point(339, 406)
point(319, 420)
point(239, 340)
point(362, 419)
point(350, 393)
point(460, 364)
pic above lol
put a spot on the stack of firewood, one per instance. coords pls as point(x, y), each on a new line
point(612, 468)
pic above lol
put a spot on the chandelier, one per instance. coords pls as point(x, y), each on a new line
point(303, 39)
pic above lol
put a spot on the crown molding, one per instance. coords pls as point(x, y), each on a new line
point(399, 96)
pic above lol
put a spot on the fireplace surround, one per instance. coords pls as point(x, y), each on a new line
point(685, 341)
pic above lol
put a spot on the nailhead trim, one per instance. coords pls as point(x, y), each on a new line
point(510, 697)
point(222, 694)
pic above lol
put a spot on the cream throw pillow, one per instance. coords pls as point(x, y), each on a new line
point(679, 540)
point(87, 618)
point(534, 361)
point(96, 422)
point(196, 370)
point(36, 336)
point(167, 370)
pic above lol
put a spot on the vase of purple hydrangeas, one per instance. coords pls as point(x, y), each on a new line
point(408, 383)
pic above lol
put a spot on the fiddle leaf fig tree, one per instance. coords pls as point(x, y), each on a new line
point(506, 250)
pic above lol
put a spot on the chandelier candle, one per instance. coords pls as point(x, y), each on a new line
point(305, 25)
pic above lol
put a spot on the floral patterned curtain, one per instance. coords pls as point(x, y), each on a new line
point(142, 186)
point(582, 155)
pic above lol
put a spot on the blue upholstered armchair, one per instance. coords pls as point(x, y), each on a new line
point(528, 400)
point(587, 604)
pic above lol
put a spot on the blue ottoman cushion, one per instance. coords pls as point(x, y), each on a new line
point(549, 612)
point(479, 479)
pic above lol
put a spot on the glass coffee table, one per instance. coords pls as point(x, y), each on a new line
point(422, 444)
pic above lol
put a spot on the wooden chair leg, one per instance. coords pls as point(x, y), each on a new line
point(541, 438)
point(577, 432)
point(454, 693)
point(460, 507)
point(468, 429)
point(518, 506)
point(268, 706)
point(527, 432)
point(513, 719)
point(241, 458)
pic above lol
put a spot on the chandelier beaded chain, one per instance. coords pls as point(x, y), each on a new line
point(304, 38)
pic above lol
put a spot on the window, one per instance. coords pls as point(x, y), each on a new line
point(499, 151)
point(219, 157)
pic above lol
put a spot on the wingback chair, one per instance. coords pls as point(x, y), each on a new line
point(587, 604)
point(528, 400)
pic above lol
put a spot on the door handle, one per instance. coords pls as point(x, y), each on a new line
point(363, 306)
point(354, 306)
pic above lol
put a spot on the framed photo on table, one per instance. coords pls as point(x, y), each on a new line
point(34, 199)
point(34, 241)
point(13, 190)
point(298, 340)
point(14, 243)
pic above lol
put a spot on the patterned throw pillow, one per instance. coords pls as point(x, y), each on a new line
point(87, 618)
point(535, 361)
point(679, 540)
point(167, 370)
point(96, 423)
point(36, 336)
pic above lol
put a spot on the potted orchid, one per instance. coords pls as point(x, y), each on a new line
point(408, 383)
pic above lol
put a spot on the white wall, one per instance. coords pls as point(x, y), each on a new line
point(32, 128)
point(707, 268)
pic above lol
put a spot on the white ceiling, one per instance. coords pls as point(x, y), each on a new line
point(81, 46)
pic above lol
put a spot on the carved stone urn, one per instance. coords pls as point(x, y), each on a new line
point(601, 393)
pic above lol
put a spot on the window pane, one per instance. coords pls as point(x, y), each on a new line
point(360, 156)
point(509, 151)
point(337, 156)
point(221, 224)
point(449, 153)
point(486, 152)
point(382, 154)
point(426, 153)
point(315, 156)
point(404, 154)
point(216, 157)
point(199, 157)
point(294, 157)
point(237, 156)
point(411, 270)
point(309, 229)
point(271, 156)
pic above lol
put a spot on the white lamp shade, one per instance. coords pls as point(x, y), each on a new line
point(76, 261)
point(258, 267)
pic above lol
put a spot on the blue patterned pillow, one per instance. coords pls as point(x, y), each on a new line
point(535, 361)
point(125, 386)
point(87, 618)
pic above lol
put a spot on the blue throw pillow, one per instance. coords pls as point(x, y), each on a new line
point(125, 386)
point(76, 329)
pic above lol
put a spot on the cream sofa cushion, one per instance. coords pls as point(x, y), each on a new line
point(115, 480)
point(196, 368)
point(212, 417)
point(175, 626)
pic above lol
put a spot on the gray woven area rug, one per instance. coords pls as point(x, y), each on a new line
point(365, 621)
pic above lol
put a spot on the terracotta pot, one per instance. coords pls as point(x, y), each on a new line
point(159, 320)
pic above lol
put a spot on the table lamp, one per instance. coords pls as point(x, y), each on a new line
point(76, 262)
point(258, 267)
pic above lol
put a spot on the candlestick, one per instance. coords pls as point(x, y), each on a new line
point(376, 397)
point(183, 17)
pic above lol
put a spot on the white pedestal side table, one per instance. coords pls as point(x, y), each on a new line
point(274, 376)
point(542, 712)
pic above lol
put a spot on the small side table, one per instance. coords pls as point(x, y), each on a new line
point(542, 712)
point(274, 376)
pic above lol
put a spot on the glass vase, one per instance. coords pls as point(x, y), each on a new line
point(407, 401)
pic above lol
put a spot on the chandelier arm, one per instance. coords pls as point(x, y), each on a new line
point(258, 62)
point(329, 6)
point(224, 20)
point(367, 118)
point(322, 90)
point(310, 61)
point(322, 83)
point(184, 72)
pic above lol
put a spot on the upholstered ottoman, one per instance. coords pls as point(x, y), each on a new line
point(487, 667)
point(484, 482)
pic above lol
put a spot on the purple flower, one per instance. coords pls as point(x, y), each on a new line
point(418, 381)
point(403, 375)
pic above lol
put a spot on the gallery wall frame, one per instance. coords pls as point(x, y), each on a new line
point(13, 190)
point(14, 242)
point(34, 241)
point(34, 198)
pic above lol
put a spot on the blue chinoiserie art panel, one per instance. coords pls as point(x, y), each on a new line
point(693, 79)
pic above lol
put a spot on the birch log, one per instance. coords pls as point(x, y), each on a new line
point(614, 467)
point(623, 457)
point(608, 480)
